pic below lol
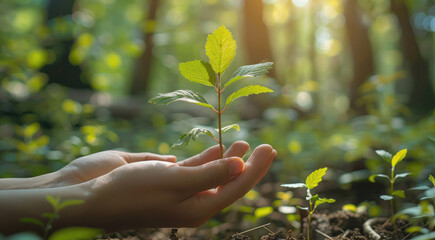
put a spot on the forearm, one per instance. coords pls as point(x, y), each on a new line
point(49, 180)
point(32, 203)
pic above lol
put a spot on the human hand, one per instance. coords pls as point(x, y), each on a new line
point(98, 164)
point(166, 194)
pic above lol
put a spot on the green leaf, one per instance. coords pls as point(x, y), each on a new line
point(432, 180)
point(33, 221)
point(50, 215)
point(199, 72)
point(402, 175)
point(254, 70)
point(229, 127)
point(398, 157)
point(430, 235)
point(303, 208)
point(54, 201)
point(71, 202)
point(324, 200)
point(372, 177)
point(192, 135)
point(180, 95)
point(424, 187)
point(386, 197)
point(73, 233)
point(246, 91)
point(220, 49)
point(384, 155)
point(294, 185)
point(263, 212)
point(399, 193)
point(315, 177)
point(432, 138)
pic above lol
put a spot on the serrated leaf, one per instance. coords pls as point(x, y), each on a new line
point(229, 127)
point(198, 71)
point(54, 201)
point(372, 177)
point(220, 49)
point(180, 95)
point(294, 185)
point(402, 175)
point(192, 135)
point(384, 155)
point(398, 157)
point(32, 221)
point(386, 197)
point(71, 202)
point(399, 193)
point(315, 177)
point(254, 70)
point(246, 91)
point(432, 179)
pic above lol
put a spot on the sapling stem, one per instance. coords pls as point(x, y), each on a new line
point(391, 191)
point(219, 92)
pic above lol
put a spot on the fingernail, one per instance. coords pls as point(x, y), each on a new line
point(236, 167)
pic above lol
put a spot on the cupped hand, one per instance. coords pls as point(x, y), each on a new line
point(167, 194)
point(98, 164)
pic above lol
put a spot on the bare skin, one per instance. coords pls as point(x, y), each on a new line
point(124, 190)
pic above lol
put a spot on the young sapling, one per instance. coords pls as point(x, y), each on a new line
point(313, 201)
point(399, 156)
point(221, 50)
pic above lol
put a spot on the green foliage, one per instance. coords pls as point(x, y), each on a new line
point(311, 182)
point(221, 49)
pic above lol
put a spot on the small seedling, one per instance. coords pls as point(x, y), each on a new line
point(399, 156)
point(314, 201)
point(221, 50)
point(57, 206)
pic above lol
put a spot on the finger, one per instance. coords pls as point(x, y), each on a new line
point(137, 157)
point(255, 168)
point(208, 155)
point(238, 149)
point(210, 175)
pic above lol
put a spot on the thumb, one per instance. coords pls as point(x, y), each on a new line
point(212, 174)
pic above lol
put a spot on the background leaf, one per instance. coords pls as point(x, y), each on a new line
point(402, 175)
point(71, 202)
point(398, 157)
point(246, 91)
point(384, 155)
point(399, 193)
point(180, 95)
point(74, 233)
point(250, 71)
point(199, 72)
point(33, 221)
point(432, 179)
point(220, 49)
point(192, 135)
point(54, 201)
point(315, 177)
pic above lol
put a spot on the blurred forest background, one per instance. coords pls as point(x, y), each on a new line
point(349, 77)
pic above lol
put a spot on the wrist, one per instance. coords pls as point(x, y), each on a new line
point(49, 180)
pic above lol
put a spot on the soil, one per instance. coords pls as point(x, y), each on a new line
point(338, 225)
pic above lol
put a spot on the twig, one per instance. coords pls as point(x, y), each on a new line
point(324, 234)
point(369, 230)
point(345, 234)
point(255, 228)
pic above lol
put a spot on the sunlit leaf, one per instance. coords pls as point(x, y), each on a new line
point(180, 95)
point(192, 135)
point(402, 175)
point(372, 177)
point(32, 221)
point(398, 157)
point(303, 208)
point(294, 185)
point(250, 71)
point(198, 71)
point(349, 207)
point(229, 127)
point(263, 211)
point(220, 49)
point(320, 201)
point(246, 91)
point(31, 129)
point(71, 202)
point(386, 197)
point(315, 178)
point(384, 155)
point(424, 187)
point(432, 180)
point(399, 193)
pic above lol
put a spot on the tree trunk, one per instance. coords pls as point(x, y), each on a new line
point(141, 77)
point(362, 55)
point(422, 99)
